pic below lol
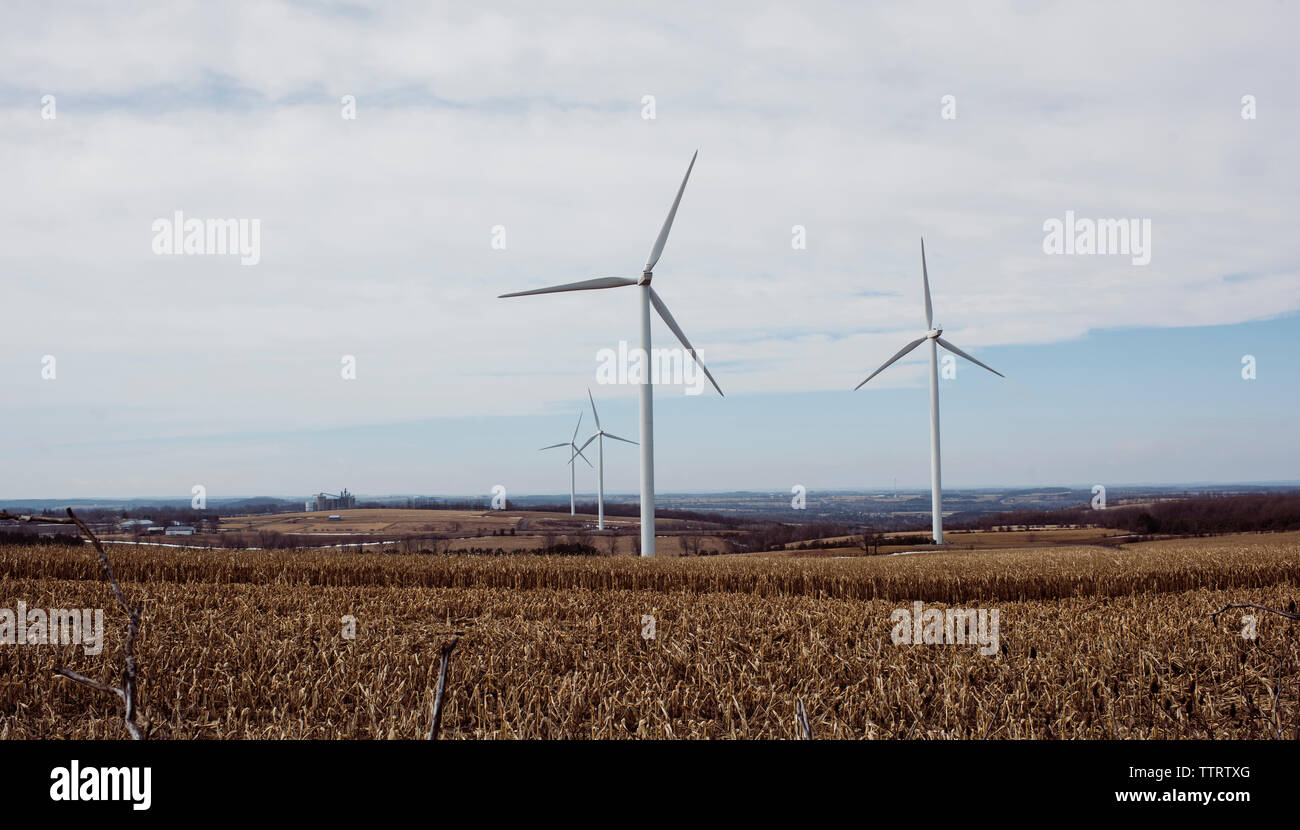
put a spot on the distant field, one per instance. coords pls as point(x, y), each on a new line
point(1095, 643)
point(469, 529)
point(462, 530)
point(412, 522)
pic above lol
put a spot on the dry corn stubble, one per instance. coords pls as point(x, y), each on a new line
point(1097, 643)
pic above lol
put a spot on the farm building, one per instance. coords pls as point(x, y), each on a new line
point(328, 501)
point(180, 530)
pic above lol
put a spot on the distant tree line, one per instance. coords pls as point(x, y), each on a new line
point(633, 511)
point(1196, 516)
point(261, 508)
point(868, 539)
point(18, 537)
point(162, 515)
point(425, 503)
point(774, 536)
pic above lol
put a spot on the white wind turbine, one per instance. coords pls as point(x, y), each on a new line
point(573, 457)
point(601, 434)
point(931, 335)
point(647, 297)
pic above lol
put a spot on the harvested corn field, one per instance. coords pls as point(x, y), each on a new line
point(1093, 643)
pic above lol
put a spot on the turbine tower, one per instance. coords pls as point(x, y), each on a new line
point(600, 461)
point(647, 297)
point(573, 457)
point(932, 336)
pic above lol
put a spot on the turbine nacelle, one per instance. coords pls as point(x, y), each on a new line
point(933, 334)
point(645, 278)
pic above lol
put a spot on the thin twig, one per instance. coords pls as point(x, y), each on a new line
point(1290, 615)
point(1274, 719)
point(443, 667)
point(90, 681)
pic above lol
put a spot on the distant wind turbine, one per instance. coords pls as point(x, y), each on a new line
point(600, 461)
point(931, 335)
point(573, 457)
point(648, 297)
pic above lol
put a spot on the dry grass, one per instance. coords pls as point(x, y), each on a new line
point(1097, 643)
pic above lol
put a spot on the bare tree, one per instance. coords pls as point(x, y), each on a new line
point(1290, 614)
point(690, 543)
point(871, 539)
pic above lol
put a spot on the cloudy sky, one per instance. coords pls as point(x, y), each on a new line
point(377, 232)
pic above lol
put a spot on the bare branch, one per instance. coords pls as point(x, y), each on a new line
point(89, 681)
point(127, 692)
point(1290, 615)
point(129, 675)
point(444, 666)
point(103, 560)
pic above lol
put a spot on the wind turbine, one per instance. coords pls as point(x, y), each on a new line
point(600, 461)
point(932, 336)
point(573, 505)
point(647, 297)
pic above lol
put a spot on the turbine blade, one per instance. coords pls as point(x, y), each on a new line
point(553, 446)
point(616, 438)
point(681, 335)
point(594, 413)
point(585, 285)
point(950, 347)
point(658, 249)
point(576, 428)
point(889, 362)
point(589, 440)
point(925, 280)
point(577, 453)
